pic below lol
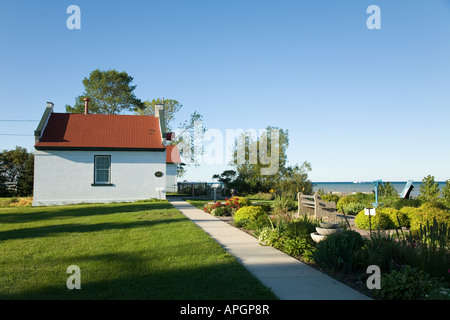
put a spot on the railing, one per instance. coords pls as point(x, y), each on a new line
point(198, 189)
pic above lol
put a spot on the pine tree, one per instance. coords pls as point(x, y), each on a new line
point(429, 189)
point(446, 194)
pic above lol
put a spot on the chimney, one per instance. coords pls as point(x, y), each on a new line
point(170, 136)
point(43, 123)
point(86, 105)
point(159, 113)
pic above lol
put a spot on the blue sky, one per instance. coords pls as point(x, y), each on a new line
point(359, 104)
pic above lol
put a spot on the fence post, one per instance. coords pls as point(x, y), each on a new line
point(299, 199)
point(316, 204)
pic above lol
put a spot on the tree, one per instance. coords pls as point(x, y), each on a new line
point(188, 139)
point(12, 163)
point(25, 178)
point(3, 190)
point(260, 161)
point(261, 164)
point(295, 179)
point(17, 166)
point(387, 190)
point(445, 192)
point(170, 108)
point(429, 189)
point(226, 177)
point(110, 92)
point(185, 134)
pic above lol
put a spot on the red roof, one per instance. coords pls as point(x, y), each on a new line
point(172, 154)
point(102, 131)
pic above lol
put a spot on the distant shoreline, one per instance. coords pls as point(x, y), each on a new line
point(350, 187)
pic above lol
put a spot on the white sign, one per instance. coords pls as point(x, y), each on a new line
point(369, 212)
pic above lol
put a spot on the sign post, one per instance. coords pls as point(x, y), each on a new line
point(370, 212)
point(214, 186)
point(376, 182)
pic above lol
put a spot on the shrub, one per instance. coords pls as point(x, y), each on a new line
point(283, 204)
point(345, 200)
point(5, 202)
point(262, 196)
point(232, 203)
point(398, 218)
point(22, 202)
point(406, 284)
point(211, 206)
point(266, 207)
point(261, 222)
point(380, 220)
point(385, 251)
point(247, 214)
point(431, 244)
point(237, 202)
point(330, 197)
point(364, 198)
point(301, 227)
point(295, 246)
point(408, 211)
point(384, 218)
point(221, 211)
point(292, 238)
point(337, 252)
point(399, 203)
point(429, 212)
point(270, 237)
point(353, 208)
point(243, 201)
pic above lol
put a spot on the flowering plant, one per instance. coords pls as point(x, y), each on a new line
point(211, 206)
point(233, 203)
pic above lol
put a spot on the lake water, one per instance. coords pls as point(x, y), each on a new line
point(351, 187)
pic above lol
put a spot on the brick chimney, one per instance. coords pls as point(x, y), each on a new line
point(86, 105)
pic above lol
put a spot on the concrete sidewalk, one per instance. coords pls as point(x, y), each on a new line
point(288, 278)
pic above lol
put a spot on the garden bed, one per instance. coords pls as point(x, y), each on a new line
point(422, 259)
point(354, 280)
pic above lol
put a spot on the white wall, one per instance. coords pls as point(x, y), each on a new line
point(171, 177)
point(65, 177)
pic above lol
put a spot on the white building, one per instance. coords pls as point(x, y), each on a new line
point(172, 161)
point(101, 158)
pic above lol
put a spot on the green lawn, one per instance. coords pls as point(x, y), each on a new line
point(144, 250)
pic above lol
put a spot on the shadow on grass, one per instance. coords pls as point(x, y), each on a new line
point(136, 281)
point(44, 231)
point(34, 214)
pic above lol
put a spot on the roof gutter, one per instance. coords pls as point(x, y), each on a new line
point(99, 149)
